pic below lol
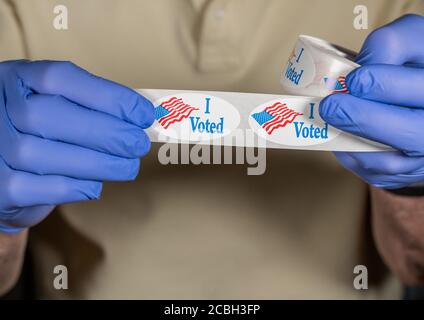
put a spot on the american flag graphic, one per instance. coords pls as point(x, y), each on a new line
point(275, 116)
point(171, 111)
point(336, 85)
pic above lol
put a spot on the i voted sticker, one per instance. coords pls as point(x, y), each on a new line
point(291, 122)
point(300, 69)
point(335, 85)
point(317, 68)
point(195, 117)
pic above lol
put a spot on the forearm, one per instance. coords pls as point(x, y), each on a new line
point(398, 228)
point(12, 249)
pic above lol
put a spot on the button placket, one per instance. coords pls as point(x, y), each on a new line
point(217, 43)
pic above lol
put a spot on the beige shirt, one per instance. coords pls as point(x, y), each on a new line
point(207, 231)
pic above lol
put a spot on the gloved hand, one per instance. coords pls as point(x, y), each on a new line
point(385, 104)
point(62, 132)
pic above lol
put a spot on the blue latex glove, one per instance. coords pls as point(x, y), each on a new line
point(385, 104)
point(62, 132)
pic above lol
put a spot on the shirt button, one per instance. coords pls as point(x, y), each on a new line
point(220, 14)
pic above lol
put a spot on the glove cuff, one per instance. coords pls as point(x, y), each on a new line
point(10, 230)
point(408, 191)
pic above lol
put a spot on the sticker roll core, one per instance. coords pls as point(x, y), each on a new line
point(317, 68)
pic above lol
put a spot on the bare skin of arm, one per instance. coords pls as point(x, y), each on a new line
point(398, 228)
point(12, 249)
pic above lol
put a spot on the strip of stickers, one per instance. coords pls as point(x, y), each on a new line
point(246, 120)
point(314, 69)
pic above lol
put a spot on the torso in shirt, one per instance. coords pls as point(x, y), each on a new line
point(208, 231)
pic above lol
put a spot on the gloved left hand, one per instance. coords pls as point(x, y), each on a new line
point(63, 131)
point(385, 104)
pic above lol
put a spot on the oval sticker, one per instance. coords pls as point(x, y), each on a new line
point(300, 69)
point(291, 122)
point(195, 117)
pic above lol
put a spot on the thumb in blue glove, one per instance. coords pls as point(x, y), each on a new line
point(385, 104)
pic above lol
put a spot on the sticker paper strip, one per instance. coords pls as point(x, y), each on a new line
point(316, 68)
point(246, 119)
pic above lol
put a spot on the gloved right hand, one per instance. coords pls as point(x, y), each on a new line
point(385, 104)
point(62, 132)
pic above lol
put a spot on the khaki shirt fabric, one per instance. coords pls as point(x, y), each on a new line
point(207, 231)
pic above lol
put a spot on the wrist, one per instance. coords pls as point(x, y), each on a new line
point(397, 228)
point(12, 249)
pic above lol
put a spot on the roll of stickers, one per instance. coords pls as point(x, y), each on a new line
point(317, 68)
point(246, 120)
